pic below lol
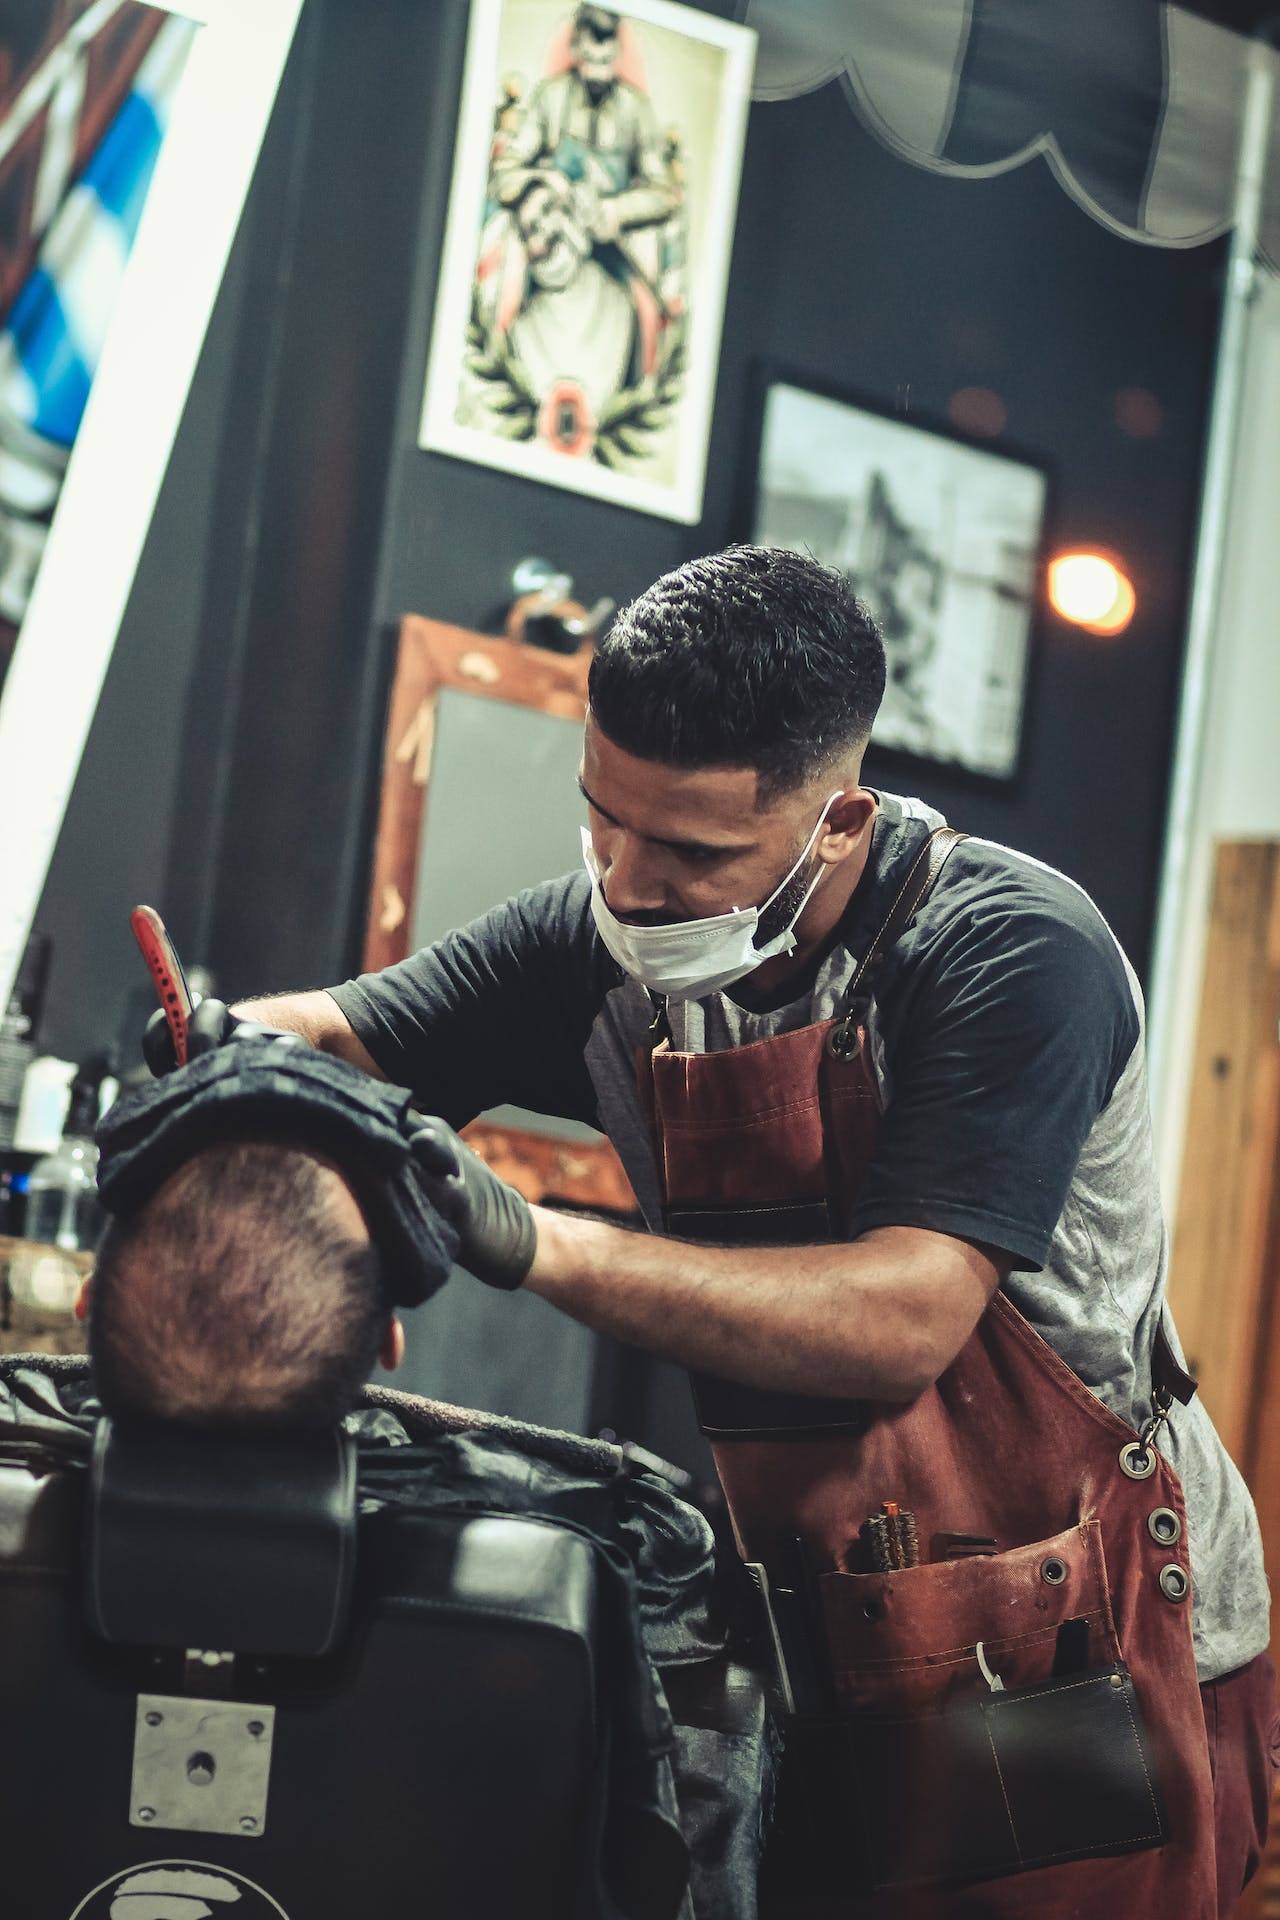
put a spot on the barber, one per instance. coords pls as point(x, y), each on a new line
point(885, 1087)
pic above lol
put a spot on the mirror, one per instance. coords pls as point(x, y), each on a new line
point(482, 841)
point(452, 840)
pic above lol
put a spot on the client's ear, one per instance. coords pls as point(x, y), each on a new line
point(81, 1308)
point(391, 1352)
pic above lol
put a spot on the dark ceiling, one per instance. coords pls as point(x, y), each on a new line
point(1245, 16)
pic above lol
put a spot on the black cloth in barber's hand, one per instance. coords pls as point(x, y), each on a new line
point(496, 1235)
point(211, 1025)
point(273, 1086)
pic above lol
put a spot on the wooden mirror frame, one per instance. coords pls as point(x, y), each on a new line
point(430, 657)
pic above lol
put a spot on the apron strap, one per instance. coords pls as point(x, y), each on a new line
point(1168, 1375)
point(921, 879)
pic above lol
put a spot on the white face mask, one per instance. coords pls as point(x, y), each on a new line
point(685, 959)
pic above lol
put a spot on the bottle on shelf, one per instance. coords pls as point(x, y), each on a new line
point(42, 1114)
point(63, 1209)
point(64, 1217)
point(19, 1035)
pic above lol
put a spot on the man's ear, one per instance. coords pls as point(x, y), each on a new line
point(391, 1352)
point(81, 1308)
point(845, 825)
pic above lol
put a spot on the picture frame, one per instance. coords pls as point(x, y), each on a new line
point(578, 314)
point(941, 534)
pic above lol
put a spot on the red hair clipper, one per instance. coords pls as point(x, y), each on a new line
point(166, 971)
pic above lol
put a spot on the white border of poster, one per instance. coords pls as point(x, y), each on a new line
point(680, 498)
point(167, 293)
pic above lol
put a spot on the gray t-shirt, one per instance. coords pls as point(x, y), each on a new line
point(1009, 1042)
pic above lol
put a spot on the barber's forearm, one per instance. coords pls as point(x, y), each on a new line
point(320, 1021)
point(874, 1319)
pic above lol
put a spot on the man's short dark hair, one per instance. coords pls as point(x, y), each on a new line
point(753, 657)
point(236, 1297)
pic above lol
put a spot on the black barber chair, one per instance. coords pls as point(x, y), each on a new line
point(219, 1693)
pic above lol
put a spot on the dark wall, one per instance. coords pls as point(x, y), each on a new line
point(300, 519)
point(907, 287)
point(855, 270)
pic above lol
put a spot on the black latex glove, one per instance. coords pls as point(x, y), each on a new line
point(211, 1025)
point(496, 1234)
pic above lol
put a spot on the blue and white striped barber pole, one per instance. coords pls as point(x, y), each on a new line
point(52, 338)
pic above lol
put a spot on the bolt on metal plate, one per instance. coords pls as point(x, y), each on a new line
point(201, 1766)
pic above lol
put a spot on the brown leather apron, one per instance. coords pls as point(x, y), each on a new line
point(767, 1143)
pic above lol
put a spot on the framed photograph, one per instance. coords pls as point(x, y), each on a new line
point(582, 284)
point(940, 537)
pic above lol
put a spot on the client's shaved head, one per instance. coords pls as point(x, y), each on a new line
point(245, 1293)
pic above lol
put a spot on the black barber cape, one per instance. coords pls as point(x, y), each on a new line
point(707, 1787)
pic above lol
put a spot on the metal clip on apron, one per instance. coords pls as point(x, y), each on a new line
point(1079, 1786)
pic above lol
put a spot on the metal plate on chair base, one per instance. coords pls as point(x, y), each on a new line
point(201, 1766)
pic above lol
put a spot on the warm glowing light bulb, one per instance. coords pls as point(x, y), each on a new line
point(1089, 590)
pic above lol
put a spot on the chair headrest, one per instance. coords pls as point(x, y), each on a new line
point(243, 1544)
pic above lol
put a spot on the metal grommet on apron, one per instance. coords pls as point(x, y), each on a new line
point(1164, 1526)
point(1053, 1571)
point(1136, 1461)
point(842, 1041)
point(1174, 1584)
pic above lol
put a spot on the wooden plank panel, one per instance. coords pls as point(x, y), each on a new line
point(1225, 1277)
point(1262, 1470)
point(1217, 1276)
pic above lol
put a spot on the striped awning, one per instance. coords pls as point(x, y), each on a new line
point(1136, 107)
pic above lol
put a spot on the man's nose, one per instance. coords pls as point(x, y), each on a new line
point(632, 883)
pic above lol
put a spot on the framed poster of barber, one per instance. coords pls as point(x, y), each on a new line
point(582, 285)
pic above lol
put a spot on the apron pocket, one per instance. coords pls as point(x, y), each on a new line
point(907, 1639)
point(979, 1788)
point(942, 1775)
